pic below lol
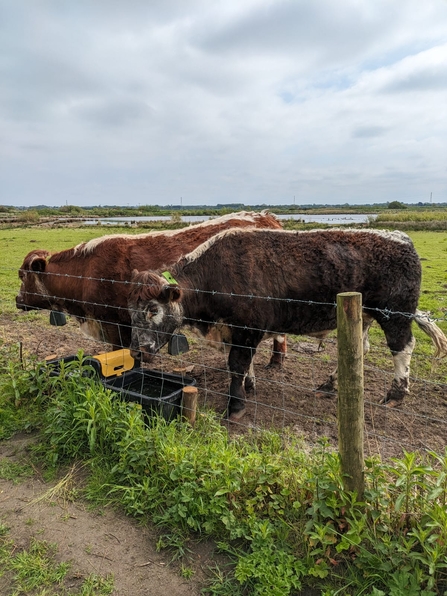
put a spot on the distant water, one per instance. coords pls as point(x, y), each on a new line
point(305, 217)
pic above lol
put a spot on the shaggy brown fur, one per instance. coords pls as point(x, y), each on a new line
point(91, 281)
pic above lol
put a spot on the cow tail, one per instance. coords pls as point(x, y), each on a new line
point(432, 330)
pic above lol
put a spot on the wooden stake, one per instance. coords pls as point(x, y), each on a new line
point(189, 403)
point(350, 390)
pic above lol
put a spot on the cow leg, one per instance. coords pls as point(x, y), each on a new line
point(400, 386)
point(401, 343)
point(329, 387)
point(279, 351)
point(242, 377)
point(250, 381)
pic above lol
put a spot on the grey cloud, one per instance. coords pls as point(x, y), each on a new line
point(429, 80)
point(113, 111)
point(33, 81)
point(320, 29)
point(369, 131)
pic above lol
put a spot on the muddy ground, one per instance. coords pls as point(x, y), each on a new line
point(106, 541)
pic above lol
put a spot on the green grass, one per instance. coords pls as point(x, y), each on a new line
point(432, 248)
point(35, 570)
point(409, 215)
point(15, 244)
point(14, 471)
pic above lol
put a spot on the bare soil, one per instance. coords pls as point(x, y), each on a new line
point(104, 542)
point(108, 542)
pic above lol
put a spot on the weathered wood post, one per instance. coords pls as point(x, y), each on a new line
point(350, 390)
point(189, 403)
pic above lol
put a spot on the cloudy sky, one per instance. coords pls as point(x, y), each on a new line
point(113, 102)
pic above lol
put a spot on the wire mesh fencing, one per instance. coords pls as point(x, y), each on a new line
point(282, 397)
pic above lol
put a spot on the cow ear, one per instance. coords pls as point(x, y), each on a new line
point(170, 294)
point(38, 264)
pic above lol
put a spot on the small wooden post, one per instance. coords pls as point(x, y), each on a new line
point(189, 403)
point(350, 390)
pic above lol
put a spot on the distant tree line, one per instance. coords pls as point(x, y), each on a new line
point(219, 209)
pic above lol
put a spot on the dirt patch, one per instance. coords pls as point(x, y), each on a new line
point(103, 542)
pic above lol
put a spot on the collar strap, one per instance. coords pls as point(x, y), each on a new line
point(168, 277)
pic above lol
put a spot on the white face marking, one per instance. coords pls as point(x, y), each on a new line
point(158, 317)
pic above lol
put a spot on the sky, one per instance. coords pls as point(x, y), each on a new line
point(205, 102)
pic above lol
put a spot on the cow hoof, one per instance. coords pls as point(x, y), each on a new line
point(274, 365)
point(236, 416)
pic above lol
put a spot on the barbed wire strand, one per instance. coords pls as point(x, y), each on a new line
point(284, 412)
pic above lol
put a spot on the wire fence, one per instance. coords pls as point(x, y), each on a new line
point(285, 397)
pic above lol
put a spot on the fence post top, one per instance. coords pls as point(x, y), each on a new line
point(347, 294)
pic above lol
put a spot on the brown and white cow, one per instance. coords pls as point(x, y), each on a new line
point(90, 281)
point(285, 282)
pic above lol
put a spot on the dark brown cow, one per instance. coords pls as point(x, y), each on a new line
point(90, 281)
point(285, 282)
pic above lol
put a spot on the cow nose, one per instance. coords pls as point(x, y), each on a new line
point(19, 303)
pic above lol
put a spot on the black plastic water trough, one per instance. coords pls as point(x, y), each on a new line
point(156, 391)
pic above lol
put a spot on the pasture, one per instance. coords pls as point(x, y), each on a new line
point(273, 499)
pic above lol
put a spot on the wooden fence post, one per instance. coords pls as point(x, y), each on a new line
point(189, 403)
point(350, 390)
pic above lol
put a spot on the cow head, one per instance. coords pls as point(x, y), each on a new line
point(155, 309)
point(33, 293)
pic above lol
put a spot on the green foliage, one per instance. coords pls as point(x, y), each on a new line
point(423, 215)
point(279, 511)
point(427, 220)
point(72, 210)
point(96, 585)
point(80, 418)
point(21, 384)
point(14, 471)
point(397, 205)
point(29, 216)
